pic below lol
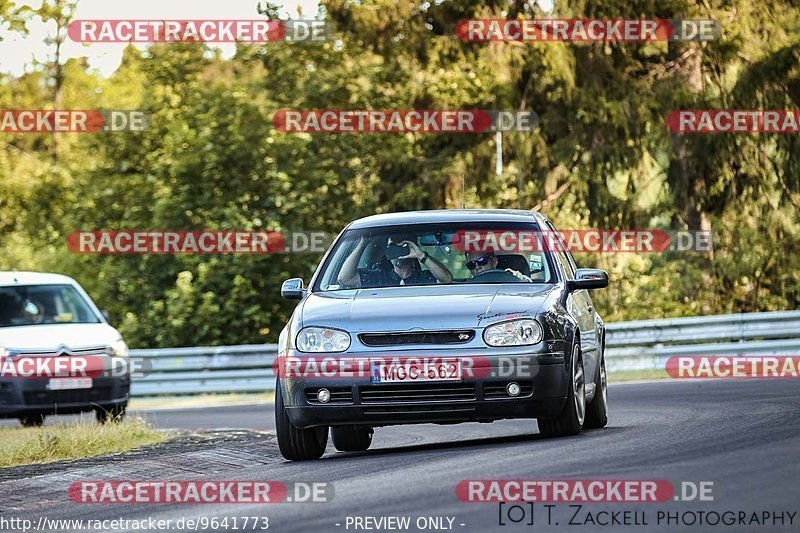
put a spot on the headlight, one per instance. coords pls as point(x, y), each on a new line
point(119, 348)
point(315, 339)
point(4, 352)
point(520, 332)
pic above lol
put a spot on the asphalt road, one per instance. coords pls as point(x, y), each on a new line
point(744, 436)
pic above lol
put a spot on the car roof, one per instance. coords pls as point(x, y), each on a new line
point(12, 278)
point(444, 216)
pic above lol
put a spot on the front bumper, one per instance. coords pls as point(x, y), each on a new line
point(30, 396)
point(543, 377)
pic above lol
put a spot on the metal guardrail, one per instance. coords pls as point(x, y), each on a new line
point(647, 344)
point(636, 345)
point(183, 371)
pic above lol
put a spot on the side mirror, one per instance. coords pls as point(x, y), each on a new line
point(106, 315)
point(588, 278)
point(292, 289)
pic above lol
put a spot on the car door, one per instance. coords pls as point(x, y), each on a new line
point(590, 332)
point(579, 305)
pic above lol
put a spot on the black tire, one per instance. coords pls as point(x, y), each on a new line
point(571, 419)
point(114, 414)
point(31, 421)
point(297, 444)
point(597, 409)
point(352, 438)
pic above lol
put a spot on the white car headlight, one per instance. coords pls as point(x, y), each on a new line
point(4, 352)
point(119, 348)
point(314, 339)
point(519, 332)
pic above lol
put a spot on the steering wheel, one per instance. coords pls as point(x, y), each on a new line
point(494, 275)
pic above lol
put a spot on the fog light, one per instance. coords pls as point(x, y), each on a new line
point(323, 395)
point(513, 389)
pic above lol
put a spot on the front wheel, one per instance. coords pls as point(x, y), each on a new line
point(570, 421)
point(597, 410)
point(32, 421)
point(294, 443)
point(352, 438)
point(114, 414)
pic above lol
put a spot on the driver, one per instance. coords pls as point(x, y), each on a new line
point(484, 262)
point(478, 262)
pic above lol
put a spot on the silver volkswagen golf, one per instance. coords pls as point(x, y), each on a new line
point(440, 317)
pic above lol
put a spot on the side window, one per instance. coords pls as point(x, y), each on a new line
point(562, 255)
point(572, 261)
point(562, 258)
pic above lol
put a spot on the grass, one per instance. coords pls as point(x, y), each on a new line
point(636, 375)
point(77, 440)
point(201, 400)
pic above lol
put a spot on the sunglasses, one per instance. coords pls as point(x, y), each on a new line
point(480, 261)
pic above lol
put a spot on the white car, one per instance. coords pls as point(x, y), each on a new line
point(44, 317)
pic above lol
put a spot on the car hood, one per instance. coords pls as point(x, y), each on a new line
point(427, 308)
point(51, 336)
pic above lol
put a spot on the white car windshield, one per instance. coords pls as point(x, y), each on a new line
point(27, 305)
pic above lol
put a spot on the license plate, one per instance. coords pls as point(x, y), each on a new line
point(69, 383)
point(416, 371)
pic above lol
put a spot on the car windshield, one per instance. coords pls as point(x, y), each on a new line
point(28, 305)
point(432, 254)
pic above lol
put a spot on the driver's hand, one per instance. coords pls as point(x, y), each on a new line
point(519, 275)
point(365, 241)
point(413, 251)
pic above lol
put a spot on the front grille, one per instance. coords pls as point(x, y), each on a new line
point(418, 409)
point(98, 394)
point(92, 350)
point(339, 395)
point(417, 393)
point(417, 337)
point(497, 389)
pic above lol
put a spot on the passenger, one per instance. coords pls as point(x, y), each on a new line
point(405, 269)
